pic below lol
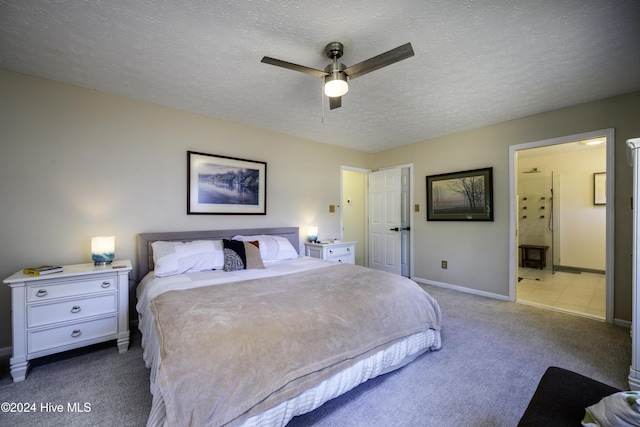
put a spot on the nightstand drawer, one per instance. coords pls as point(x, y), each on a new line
point(43, 314)
point(58, 289)
point(348, 259)
point(340, 251)
point(46, 339)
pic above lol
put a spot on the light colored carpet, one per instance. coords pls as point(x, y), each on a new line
point(116, 387)
point(493, 355)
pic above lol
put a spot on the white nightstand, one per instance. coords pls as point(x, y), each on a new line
point(84, 304)
point(338, 252)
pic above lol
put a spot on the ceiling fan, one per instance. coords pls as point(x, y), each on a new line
point(336, 74)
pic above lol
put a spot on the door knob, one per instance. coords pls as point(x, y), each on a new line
point(394, 229)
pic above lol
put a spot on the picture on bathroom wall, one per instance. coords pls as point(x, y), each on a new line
point(460, 196)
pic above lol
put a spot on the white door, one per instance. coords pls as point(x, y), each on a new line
point(385, 222)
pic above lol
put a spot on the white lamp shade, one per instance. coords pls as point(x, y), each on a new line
point(103, 249)
point(334, 86)
point(312, 234)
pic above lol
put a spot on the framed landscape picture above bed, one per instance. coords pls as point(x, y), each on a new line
point(221, 185)
point(460, 196)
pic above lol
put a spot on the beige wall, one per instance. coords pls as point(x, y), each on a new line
point(76, 163)
point(478, 253)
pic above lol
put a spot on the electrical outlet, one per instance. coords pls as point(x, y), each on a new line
point(444, 264)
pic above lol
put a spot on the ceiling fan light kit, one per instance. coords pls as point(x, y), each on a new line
point(335, 84)
point(336, 74)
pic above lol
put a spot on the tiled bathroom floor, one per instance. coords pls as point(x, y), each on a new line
point(582, 293)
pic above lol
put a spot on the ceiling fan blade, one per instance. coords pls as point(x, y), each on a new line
point(392, 56)
point(294, 67)
point(335, 102)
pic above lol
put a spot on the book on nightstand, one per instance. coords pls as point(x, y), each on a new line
point(43, 269)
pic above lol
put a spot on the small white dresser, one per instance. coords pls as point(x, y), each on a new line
point(82, 305)
point(344, 252)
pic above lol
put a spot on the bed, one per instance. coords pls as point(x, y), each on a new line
point(267, 334)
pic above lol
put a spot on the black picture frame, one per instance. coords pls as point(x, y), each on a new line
point(461, 196)
point(221, 185)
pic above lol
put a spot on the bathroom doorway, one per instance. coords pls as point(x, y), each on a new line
point(561, 232)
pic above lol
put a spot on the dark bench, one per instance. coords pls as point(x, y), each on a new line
point(527, 261)
point(561, 398)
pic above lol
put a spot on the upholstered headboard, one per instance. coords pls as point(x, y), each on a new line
point(145, 253)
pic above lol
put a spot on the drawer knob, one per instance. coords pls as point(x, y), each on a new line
point(76, 333)
point(106, 284)
point(331, 251)
point(340, 261)
point(348, 249)
point(41, 293)
point(75, 309)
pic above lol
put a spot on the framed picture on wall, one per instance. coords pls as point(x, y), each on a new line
point(460, 196)
point(221, 185)
point(600, 188)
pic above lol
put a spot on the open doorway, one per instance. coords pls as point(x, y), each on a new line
point(561, 234)
point(353, 219)
point(356, 215)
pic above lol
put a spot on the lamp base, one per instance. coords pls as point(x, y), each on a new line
point(102, 263)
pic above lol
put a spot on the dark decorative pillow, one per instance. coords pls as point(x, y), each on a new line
point(241, 255)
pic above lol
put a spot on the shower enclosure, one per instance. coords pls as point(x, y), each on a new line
point(538, 223)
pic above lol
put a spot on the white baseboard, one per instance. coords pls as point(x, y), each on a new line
point(622, 323)
point(462, 289)
point(618, 322)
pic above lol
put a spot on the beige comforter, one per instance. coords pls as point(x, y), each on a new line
point(231, 351)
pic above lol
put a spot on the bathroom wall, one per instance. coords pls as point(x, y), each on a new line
point(580, 225)
point(534, 210)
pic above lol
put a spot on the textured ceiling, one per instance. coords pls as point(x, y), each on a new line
point(477, 62)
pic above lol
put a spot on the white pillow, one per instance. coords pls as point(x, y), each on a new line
point(170, 258)
point(620, 409)
point(272, 248)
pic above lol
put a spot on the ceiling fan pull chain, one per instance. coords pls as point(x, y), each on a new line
point(322, 96)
